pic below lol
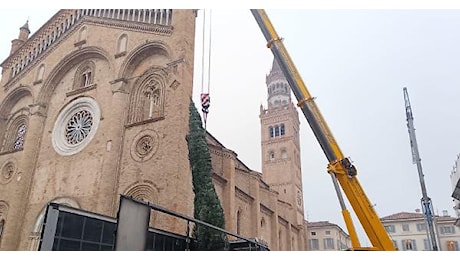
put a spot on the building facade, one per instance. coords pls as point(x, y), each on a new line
point(280, 124)
point(92, 105)
point(254, 208)
point(326, 236)
point(409, 232)
point(455, 180)
point(95, 104)
point(268, 205)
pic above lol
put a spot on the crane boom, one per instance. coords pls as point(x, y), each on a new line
point(342, 171)
point(426, 201)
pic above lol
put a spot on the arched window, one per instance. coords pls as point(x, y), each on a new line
point(409, 245)
point(262, 222)
point(147, 99)
point(2, 224)
point(283, 153)
point(15, 134)
point(152, 92)
point(20, 132)
point(277, 130)
point(40, 73)
point(280, 239)
point(84, 76)
point(238, 222)
point(122, 44)
point(147, 193)
point(82, 34)
point(271, 155)
point(35, 235)
point(3, 213)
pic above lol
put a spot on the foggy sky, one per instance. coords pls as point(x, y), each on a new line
point(356, 63)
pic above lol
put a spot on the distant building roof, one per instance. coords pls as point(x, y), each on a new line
point(320, 224)
point(403, 215)
point(413, 215)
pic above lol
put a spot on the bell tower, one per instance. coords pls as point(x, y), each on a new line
point(281, 167)
point(22, 38)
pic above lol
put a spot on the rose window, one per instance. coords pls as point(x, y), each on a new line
point(8, 171)
point(78, 127)
point(144, 145)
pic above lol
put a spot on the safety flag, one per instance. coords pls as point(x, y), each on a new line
point(205, 103)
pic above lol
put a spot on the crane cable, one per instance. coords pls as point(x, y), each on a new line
point(205, 99)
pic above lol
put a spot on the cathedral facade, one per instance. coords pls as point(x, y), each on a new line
point(96, 104)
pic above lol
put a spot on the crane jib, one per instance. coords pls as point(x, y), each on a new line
point(339, 167)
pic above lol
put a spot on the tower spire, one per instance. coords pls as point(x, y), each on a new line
point(22, 38)
point(279, 92)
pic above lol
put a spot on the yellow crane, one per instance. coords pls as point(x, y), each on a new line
point(341, 170)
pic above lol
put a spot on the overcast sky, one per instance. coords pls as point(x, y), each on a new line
point(356, 63)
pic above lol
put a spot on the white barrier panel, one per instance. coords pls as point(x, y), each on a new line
point(133, 224)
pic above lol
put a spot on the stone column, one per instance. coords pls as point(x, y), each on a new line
point(255, 208)
point(275, 240)
point(228, 167)
point(24, 214)
point(108, 197)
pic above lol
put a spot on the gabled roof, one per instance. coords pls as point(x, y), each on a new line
point(413, 215)
point(320, 224)
point(210, 139)
point(403, 215)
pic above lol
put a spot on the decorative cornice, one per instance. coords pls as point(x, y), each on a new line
point(223, 152)
point(282, 221)
point(145, 121)
point(267, 211)
point(80, 90)
point(63, 24)
point(133, 26)
point(220, 179)
point(243, 195)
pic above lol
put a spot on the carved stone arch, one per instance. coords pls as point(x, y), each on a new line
point(34, 236)
point(65, 65)
point(3, 209)
point(144, 191)
point(13, 139)
point(12, 98)
point(122, 44)
point(147, 98)
point(8, 120)
point(84, 75)
point(3, 216)
point(141, 53)
point(40, 74)
point(239, 212)
point(82, 33)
